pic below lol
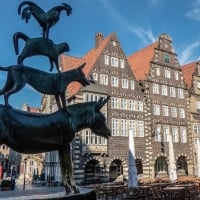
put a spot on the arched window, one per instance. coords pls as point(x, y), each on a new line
point(139, 166)
point(115, 169)
point(182, 167)
point(166, 58)
point(92, 172)
point(161, 166)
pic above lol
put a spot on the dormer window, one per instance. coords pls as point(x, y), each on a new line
point(167, 73)
point(198, 84)
point(158, 71)
point(114, 62)
point(166, 58)
point(114, 43)
point(106, 59)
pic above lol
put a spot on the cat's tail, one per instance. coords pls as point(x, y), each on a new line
point(4, 68)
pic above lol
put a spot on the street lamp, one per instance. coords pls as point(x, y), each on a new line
point(25, 159)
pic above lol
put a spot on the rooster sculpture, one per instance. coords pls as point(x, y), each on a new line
point(45, 19)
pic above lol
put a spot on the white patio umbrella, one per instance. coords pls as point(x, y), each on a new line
point(172, 161)
point(198, 159)
point(132, 170)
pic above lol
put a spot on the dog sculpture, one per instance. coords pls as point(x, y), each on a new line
point(47, 83)
point(39, 46)
point(29, 133)
point(45, 19)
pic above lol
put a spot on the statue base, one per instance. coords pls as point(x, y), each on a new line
point(90, 195)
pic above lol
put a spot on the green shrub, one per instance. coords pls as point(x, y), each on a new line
point(5, 183)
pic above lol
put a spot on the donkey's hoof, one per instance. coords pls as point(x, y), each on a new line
point(76, 190)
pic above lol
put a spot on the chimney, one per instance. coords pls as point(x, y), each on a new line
point(98, 39)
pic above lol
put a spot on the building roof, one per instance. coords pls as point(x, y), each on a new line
point(140, 61)
point(26, 107)
point(188, 70)
point(90, 59)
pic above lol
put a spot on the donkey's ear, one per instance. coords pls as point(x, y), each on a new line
point(82, 66)
point(90, 116)
point(101, 102)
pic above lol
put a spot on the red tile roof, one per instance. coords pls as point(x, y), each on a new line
point(140, 61)
point(36, 110)
point(90, 58)
point(188, 70)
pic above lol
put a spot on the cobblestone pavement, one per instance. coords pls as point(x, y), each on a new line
point(34, 192)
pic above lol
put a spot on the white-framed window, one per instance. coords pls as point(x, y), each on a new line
point(198, 105)
point(122, 63)
point(139, 106)
point(114, 81)
point(114, 61)
point(115, 127)
point(158, 71)
point(156, 109)
point(106, 59)
point(166, 133)
point(140, 128)
point(114, 43)
point(198, 84)
point(196, 141)
point(183, 134)
point(181, 112)
point(124, 127)
point(173, 111)
point(167, 73)
point(176, 75)
point(165, 110)
point(132, 104)
point(95, 76)
point(103, 79)
point(155, 88)
point(137, 127)
point(123, 103)
point(91, 138)
point(132, 83)
point(114, 102)
point(196, 128)
point(124, 83)
point(158, 133)
point(164, 90)
point(132, 126)
point(180, 93)
point(172, 92)
point(175, 134)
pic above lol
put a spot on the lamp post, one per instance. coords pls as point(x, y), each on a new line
point(25, 159)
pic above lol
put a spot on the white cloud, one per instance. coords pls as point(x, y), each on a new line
point(154, 2)
point(194, 13)
point(144, 34)
point(187, 55)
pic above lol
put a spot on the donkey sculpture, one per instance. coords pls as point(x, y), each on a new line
point(29, 133)
point(47, 83)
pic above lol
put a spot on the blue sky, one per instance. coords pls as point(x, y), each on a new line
point(137, 24)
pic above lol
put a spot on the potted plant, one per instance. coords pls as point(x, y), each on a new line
point(5, 184)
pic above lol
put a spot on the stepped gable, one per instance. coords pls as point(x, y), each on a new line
point(188, 70)
point(68, 62)
point(140, 61)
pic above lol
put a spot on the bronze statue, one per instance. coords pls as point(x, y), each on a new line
point(39, 46)
point(45, 19)
point(48, 83)
point(28, 133)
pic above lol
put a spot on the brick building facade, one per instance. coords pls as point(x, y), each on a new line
point(149, 95)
